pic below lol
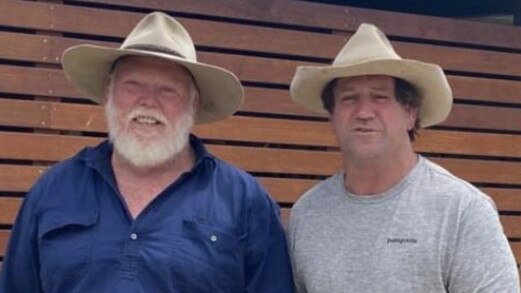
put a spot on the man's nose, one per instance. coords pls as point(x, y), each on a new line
point(148, 97)
point(364, 109)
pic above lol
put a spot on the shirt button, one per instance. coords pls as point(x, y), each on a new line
point(213, 238)
point(133, 236)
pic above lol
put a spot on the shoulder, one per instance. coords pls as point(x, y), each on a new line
point(226, 169)
point(230, 174)
point(319, 196)
point(441, 184)
point(58, 184)
point(241, 185)
point(68, 168)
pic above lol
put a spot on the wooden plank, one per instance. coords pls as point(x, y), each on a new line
point(273, 101)
point(279, 161)
point(19, 10)
point(77, 117)
point(516, 249)
point(303, 13)
point(66, 18)
point(39, 48)
point(24, 113)
point(511, 226)
point(286, 190)
point(40, 147)
point(484, 117)
point(44, 82)
point(284, 216)
point(266, 130)
point(468, 143)
point(9, 208)
point(339, 18)
point(18, 178)
point(499, 172)
point(485, 89)
point(505, 199)
point(25, 47)
point(469, 60)
point(4, 239)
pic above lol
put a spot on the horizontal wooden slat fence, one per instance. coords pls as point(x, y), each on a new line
point(43, 119)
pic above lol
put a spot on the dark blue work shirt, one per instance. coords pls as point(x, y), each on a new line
point(212, 230)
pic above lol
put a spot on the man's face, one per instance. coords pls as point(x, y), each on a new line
point(368, 120)
point(150, 109)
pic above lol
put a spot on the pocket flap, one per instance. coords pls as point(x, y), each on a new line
point(54, 220)
point(211, 235)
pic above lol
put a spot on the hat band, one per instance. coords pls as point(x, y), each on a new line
point(147, 47)
point(154, 48)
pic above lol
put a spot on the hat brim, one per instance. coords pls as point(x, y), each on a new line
point(429, 79)
point(220, 91)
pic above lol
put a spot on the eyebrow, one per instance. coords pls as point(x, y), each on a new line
point(376, 87)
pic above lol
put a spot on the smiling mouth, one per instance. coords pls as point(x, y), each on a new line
point(146, 120)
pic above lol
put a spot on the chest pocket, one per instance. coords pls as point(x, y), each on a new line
point(65, 240)
point(208, 258)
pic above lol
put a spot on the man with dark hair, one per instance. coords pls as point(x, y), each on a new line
point(391, 220)
point(149, 210)
point(405, 93)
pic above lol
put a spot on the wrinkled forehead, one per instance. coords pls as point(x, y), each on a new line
point(131, 63)
point(374, 82)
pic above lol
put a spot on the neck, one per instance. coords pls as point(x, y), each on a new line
point(368, 177)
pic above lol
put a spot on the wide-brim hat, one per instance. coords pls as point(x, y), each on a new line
point(156, 35)
point(369, 52)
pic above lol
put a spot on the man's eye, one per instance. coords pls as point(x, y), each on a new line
point(347, 99)
point(131, 86)
point(382, 98)
point(168, 91)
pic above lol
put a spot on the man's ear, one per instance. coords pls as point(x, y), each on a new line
point(196, 102)
point(413, 114)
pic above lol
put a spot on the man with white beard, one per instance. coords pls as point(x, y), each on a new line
point(150, 210)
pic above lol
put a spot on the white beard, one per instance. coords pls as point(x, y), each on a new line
point(148, 153)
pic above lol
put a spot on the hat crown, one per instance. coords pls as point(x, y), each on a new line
point(367, 44)
point(159, 32)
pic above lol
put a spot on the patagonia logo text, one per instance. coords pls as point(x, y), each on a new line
point(402, 241)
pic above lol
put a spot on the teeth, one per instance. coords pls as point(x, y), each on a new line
point(146, 120)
